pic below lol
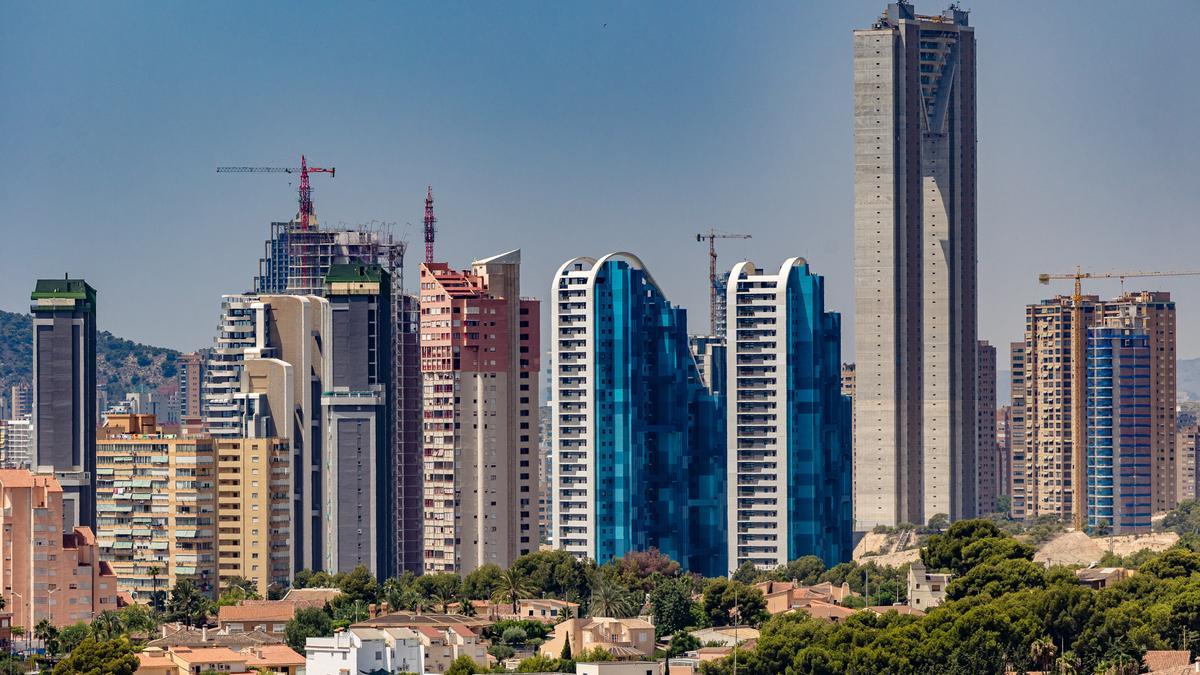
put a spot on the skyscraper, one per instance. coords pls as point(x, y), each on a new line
point(639, 441)
point(789, 445)
point(1119, 464)
point(64, 392)
point(480, 362)
point(1186, 447)
point(191, 384)
point(1019, 457)
point(21, 401)
point(989, 461)
point(914, 251)
point(359, 489)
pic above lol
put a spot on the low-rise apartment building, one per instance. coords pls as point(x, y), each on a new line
point(47, 573)
point(366, 650)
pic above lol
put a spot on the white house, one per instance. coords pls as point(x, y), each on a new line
point(365, 650)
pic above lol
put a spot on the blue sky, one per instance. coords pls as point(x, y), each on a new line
point(567, 129)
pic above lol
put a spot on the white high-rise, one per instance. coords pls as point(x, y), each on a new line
point(915, 267)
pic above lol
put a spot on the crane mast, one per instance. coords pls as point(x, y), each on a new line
point(430, 224)
point(714, 288)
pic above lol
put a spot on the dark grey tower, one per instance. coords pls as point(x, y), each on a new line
point(64, 392)
point(914, 267)
point(360, 486)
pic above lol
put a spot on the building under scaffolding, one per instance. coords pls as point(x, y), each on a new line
point(295, 261)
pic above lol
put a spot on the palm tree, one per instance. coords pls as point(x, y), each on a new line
point(511, 586)
point(154, 599)
point(107, 625)
point(243, 587)
point(1042, 652)
point(610, 599)
point(46, 632)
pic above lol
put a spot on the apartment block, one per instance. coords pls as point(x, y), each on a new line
point(20, 401)
point(48, 573)
point(359, 491)
point(480, 364)
point(64, 391)
point(989, 461)
point(1044, 418)
point(915, 267)
point(157, 507)
point(1119, 464)
point(16, 452)
point(639, 441)
point(1020, 483)
point(254, 511)
point(1004, 424)
point(1186, 448)
point(190, 378)
point(789, 458)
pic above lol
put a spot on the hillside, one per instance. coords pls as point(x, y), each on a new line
point(122, 365)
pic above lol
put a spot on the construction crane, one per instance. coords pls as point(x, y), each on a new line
point(1079, 377)
point(430, 225)
point(305, 216)
point(714, 289)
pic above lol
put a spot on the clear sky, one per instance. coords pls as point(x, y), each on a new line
point(568, 129)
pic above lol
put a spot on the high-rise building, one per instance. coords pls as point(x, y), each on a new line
point(1119, 464)
point(64, 392)
point(240, 335)
point(639, 441)
point(711, 356)
point(190, 377)
point(359, 491)
point(20, 401)
point(1020, 490)
point(1186, 450)
point(545, 458)
point(915, 269)
point(1043, 415)
point(254, 511)
point(1004, 433)
point(790, 460)
point(480, 362)
point(48, 573)
point(156, 498)
point(989, 462)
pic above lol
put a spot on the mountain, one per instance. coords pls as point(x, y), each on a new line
point(122, 365)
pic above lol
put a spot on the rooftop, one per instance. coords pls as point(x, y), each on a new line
point(77, 289)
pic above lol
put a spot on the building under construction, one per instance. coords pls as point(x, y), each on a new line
point(296, 260)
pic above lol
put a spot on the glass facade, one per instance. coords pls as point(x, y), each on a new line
point(1118, 451)
point(659, 462)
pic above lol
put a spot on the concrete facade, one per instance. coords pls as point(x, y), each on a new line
point(254, 511)
point(915, 268)
point(1185, 453)
point(64, 392)
point(480, 362)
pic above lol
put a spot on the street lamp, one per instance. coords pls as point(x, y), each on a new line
point(23, 600)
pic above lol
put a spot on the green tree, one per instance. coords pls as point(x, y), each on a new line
point(70, 637)
point(643, 570)
point(726, 601)
point(609, 598)
point(308, 622)
point(682, 642)
point(138, 619)
point(47, 633)
point(748, 573)
point(463, 665)
point(671, 603)
point(107, 625)
point(945, 551)
point(538, 663)
point(1173, 563)
point(807, 570)
point(556, 574)
point(442, 589)
point(482, 582)
point(188, 605)
point(236, 590)
point(996, 579)
point(156, 600)
point(358, 585)
point(512, 588)
point(565, 655)
point(99, 657)
point(594, 655)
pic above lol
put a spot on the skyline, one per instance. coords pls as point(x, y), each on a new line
point(609, 155)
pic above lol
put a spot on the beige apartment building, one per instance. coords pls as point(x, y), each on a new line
point(48, 573)
point(1042, 412)
point(156, 506)
point(254, 511)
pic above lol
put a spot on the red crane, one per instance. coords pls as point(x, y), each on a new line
point(430, 225)
point(306, 217)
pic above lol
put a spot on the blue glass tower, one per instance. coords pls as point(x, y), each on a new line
point(659, 440)
point(1119, 434)
point(789, 423)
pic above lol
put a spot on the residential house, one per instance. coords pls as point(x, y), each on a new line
point(1098, 578)
point(182, 660)
point(926, 589)
point(365, 650)
point(547, 610)
point(620, 637)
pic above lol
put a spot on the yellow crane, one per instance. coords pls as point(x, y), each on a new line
point(1079, 377)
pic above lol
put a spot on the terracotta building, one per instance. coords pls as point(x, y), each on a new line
point(48, 573)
